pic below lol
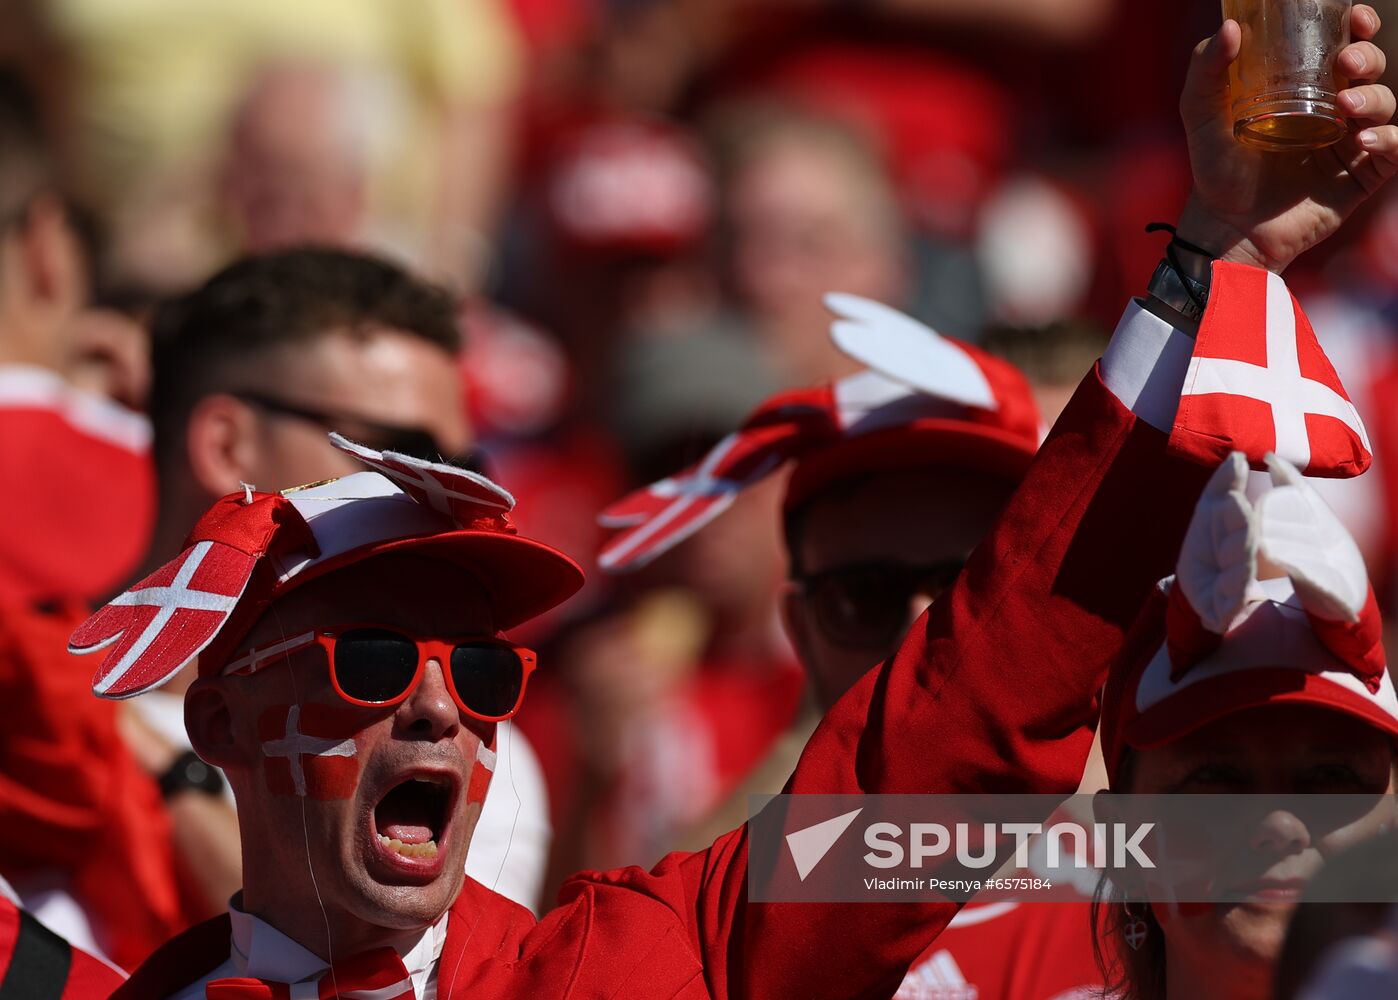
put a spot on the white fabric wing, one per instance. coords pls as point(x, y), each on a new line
point(1300, 535)
point(900, 348)
point(1218, 560)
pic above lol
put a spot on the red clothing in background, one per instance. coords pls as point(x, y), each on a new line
point(78, 500)
point(73, 802)
point(41, 960)
point(1009, 951)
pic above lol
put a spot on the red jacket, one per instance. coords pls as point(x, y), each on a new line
point(993, 691)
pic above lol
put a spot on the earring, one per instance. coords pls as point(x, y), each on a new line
point(1136, 930)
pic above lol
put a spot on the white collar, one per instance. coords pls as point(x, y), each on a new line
point(261, 951)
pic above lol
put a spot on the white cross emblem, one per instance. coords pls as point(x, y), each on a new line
point(295, 743)
point(431, 478)
point(685, 491)
point(1279, 383)
point(169, 600)
point(1135, 933)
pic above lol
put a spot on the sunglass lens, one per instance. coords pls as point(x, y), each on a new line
point(860, 609)
point(374, 665)
point(488, 678)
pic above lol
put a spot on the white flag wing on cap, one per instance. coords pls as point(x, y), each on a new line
point(1217, 569)
point(460, 494)
point(901, 348)
point(1301, 535)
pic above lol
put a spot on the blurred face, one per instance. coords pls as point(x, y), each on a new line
point(872, 557)
point(388, 379)
point(1322, 752)
point(356, 817)
point(43, 284)
point(801, 226)
point(290, 177)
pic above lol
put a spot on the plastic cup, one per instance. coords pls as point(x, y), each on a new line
point(1283, 83)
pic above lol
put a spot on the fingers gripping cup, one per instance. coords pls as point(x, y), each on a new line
point(1284, 83)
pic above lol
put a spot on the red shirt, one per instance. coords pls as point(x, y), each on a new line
point(1009, 951)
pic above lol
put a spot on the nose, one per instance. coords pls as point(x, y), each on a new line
point(1280, 833)
point(429, 712)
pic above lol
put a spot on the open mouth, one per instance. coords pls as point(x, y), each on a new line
point(411, 819)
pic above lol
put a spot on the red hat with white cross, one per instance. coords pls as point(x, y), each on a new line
point(1259, 381)
point(923, 400)
point(252, 548)
point(1270, 604)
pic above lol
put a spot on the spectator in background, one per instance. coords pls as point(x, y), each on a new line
point(890, 489)
point(58, 364)
point(155, 86)
point(251, 372)
point(679, 687)
point(807, 208)
point(83, 835)
point(1337, 950)
point(299, 155)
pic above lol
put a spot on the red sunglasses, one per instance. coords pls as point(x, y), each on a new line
point(379, 665)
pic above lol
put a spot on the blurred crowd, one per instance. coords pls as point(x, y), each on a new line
point(636, 208)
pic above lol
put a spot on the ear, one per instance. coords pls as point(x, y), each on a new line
point(208, 718)
point(57, 273)
point(222, 444)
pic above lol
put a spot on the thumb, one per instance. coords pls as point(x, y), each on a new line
point(1205, 95)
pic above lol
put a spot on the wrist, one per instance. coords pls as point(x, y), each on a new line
point(190, 774)
point(1223, 240)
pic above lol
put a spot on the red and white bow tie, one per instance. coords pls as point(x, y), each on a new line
point(372, 975)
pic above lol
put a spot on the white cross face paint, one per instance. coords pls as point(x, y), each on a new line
point(310, 750)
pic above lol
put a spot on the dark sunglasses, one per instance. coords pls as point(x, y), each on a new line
point(412, 441)
point(378, 665)
point(867, 605)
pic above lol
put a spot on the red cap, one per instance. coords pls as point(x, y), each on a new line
point(1214, 639)
point(250, 549)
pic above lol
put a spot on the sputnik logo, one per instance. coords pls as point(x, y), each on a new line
point(809, 845)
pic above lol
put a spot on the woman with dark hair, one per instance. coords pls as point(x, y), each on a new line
point(1257, 669)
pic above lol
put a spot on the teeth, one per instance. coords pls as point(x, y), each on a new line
point(424, 850)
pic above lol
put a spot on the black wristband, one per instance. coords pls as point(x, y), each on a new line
point(190, 774)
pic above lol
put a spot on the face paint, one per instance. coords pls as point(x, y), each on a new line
point(481, 772)
point(310, 750)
